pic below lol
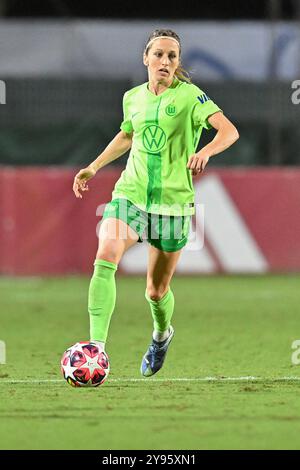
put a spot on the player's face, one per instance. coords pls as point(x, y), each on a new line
point(162, 60)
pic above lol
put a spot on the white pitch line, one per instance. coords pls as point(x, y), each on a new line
point(173, 379)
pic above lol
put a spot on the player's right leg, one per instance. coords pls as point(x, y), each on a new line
point(115, 237)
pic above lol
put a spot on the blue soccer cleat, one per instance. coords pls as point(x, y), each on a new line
point(155, 356)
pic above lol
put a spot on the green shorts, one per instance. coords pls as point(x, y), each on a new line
point(165, 232)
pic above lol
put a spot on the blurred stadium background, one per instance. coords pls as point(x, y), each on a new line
point(64, 67)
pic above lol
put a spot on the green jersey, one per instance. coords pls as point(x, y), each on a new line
point(166, 131)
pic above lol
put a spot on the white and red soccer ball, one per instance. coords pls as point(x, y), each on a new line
point(85, 365)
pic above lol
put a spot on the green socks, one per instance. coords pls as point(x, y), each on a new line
point(102, 299)
point(162, 311)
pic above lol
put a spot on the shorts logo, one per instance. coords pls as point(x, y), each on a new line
point(171, 110)
point(154, 138)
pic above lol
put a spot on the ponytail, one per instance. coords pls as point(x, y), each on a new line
point(182, 74)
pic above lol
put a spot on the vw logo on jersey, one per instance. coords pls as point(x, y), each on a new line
point(171, 110)
point(154, 138)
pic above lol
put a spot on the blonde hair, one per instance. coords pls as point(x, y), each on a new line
point(180, 72)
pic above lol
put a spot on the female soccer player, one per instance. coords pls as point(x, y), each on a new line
point(163, 121)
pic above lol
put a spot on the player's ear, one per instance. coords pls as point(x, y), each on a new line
point(145, 60)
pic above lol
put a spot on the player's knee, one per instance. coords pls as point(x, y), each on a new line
point(156, 293)
point(108, 256)
point(109, 252)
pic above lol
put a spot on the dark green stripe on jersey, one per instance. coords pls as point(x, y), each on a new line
point(154, 139)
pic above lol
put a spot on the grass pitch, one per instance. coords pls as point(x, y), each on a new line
point(226, 328)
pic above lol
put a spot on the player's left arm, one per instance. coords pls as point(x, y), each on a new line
point(226, 135)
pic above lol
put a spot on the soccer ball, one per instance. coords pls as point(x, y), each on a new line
point(85, 365)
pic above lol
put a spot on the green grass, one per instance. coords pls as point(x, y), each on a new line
point(224, 327)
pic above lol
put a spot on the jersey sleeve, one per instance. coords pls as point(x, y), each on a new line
point(203, 108)
point(126, 124)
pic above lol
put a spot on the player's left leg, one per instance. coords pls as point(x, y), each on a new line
point(161, 267)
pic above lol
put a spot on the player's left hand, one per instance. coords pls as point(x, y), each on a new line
point(197, 163)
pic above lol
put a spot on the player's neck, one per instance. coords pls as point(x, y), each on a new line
point(157, 87)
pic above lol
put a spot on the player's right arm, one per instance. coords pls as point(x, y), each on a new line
point(120, 144)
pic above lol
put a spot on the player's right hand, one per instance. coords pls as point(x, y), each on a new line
point(81, 179)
